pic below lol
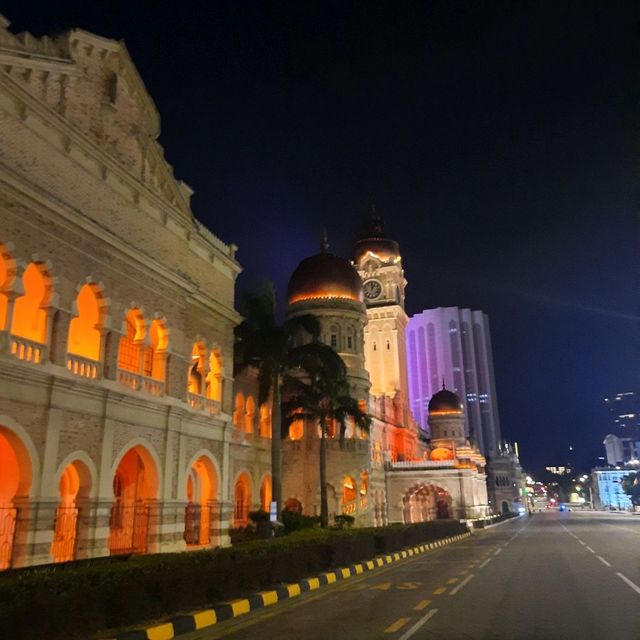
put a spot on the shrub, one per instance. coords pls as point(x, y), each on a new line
point(74, 600)
point(294, 521)
point(344, 521)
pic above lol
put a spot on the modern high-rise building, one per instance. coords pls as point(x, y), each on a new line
point(624, 410)
point(452, 346)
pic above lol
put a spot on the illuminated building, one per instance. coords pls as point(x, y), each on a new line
point(454, 345)
point(624, 411)
point(607, 490)
point(391, 475)
point(116, 323)
point(621, 450)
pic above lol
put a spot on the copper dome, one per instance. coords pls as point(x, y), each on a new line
point(324, 276)
point(444, 402)
point(373, 239)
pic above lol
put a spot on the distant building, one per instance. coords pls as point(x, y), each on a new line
point(624, 412)
point(453, 345)
point(560, 470)
point(506, 481)
point(621, 450)
point(607, 490)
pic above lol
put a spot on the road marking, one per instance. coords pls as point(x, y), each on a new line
point(582, 543)
point(497, 551)
point(452, 580)
point(485, 563)
point(409, 632)
point(588, 547)
point(439, 591)
point(456, 589)
point(397, 625)
point(423, 604)
point(608, 564)
point(383, 586)
point(633, 585)
point(464, 571)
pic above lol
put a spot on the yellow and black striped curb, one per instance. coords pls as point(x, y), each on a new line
point(226, 610)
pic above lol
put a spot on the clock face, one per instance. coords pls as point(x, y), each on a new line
point(372, 289)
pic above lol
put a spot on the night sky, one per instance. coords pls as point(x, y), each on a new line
point(498, 140)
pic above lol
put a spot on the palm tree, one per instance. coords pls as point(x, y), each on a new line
point(317, 390)
point(263, 343)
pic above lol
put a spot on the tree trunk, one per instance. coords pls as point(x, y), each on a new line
point(324, 504)
point(276, 447)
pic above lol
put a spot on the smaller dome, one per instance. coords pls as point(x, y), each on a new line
point(444, 402)
point(373, 239)
point(441, 453)
point(324, 276)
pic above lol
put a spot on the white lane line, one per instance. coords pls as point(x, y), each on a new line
point(497, 551)
point(588, 547)
point(582, 543)
point(409, 632)
point(456, 589)
point(604, 562)
point(485, 563)
point(633, 585)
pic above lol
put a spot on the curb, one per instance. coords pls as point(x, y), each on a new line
point(179, 625)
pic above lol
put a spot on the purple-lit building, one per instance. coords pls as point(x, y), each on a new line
point(453, 345)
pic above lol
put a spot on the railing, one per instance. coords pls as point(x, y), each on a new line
point(421, 464)
point(27, 350)
point(63, 547)
point(84, 367)
point(349, 507)
point(7, 532)
point(212, 406)
point(196, 401)
point(197, 523)
point(129, 379)
point(202, 403)
point(129, 529)
point(153, 386)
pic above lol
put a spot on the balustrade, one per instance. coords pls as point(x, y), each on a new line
point(27, 350)
point(364, 502)
point(129, 379)
point(349, 508)
point(84, 367)
point(202, 403)
point(153, 386)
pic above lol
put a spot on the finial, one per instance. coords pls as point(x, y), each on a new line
point(324, 242)
point(443, 387)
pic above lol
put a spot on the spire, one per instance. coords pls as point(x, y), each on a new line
point(324, 242)
point(443, 387)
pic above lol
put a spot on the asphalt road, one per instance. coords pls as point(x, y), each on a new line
point(548, 577)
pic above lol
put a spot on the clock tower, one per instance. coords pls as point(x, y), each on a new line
point(377, 259)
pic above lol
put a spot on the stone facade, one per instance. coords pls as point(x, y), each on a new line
point(90, 207)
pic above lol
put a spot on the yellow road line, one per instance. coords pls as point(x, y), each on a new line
point(452, 580)
point(439, 591)
point(397, 625)
point(423, 604)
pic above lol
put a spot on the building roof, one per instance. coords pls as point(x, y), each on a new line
point(374, 240)
point(445, 401)
point(324, 275)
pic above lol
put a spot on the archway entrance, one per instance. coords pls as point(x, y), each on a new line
point(15, 482)
point(135, 484)
point(505, 507)
point(426, 502)
point(241, 500)
point(74, 485)
point(201, 513)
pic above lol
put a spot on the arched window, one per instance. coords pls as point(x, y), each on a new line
point(349, 490)
point(85, 335)
point(296, 429)
point(334, 333)
point(30, 313)
point(196, 369)
point(265, 494)
point(156, 353)
point(242, 500)
point(250, 414)
point(130, 347)
point(364, 483)
point(7, 276)
point(265, 420)
point(238, 412)
point(201, 515)
point(214, 377)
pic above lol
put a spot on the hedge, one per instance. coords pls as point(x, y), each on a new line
point(76, 600)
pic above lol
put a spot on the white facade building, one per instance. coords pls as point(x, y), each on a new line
point(607, 490)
